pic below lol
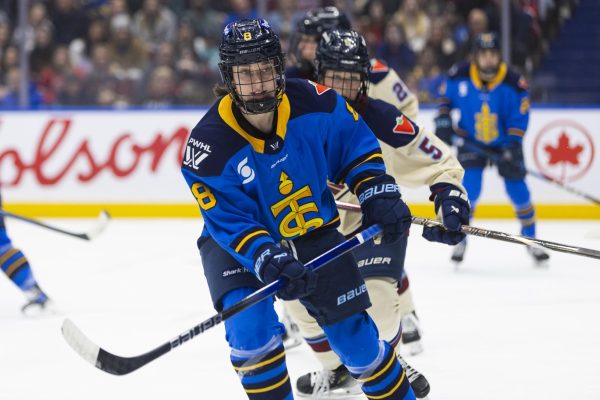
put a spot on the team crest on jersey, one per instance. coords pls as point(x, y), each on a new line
point(319, 88)
point(404, 126)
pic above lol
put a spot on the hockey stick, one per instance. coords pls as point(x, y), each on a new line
point(487, 233)
point(461, 141)
point(102, 221)
point(118, 365)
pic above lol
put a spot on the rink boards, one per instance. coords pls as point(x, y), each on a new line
point(72, 163)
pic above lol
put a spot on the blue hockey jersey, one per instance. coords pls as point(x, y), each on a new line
point(493, 113)
point(254, 189)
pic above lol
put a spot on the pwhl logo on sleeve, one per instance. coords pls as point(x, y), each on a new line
point(563, 150)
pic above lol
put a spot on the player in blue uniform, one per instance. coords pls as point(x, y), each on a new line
point(414, 157)
point(16, 266)
point(494, 108)
point(258, 164)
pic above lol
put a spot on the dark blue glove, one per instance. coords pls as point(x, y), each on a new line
point(381, 204)
point(453, 207)
point(510, 162)
point(443, 128)
point(272, 263)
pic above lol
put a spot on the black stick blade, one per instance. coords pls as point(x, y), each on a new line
point(101, 358)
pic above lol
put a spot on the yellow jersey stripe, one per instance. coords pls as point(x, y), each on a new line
point(361, 182)
point(248, 237)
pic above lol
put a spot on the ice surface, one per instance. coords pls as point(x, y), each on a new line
point(498, 328)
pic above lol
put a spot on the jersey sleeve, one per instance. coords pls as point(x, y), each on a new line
point(426, 160)
point(230, 216)
point(353, 152)
point(518, 111)
point(386, 85)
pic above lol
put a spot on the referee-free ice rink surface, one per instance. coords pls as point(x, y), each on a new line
point(496, 328)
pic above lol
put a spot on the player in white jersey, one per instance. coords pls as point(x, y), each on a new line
point(415, 157)
point(384, 84)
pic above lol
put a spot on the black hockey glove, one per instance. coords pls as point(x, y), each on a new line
point(453, 207)
point(381, 203)
point(511, 163)
point(443, 128)
point(272, 263)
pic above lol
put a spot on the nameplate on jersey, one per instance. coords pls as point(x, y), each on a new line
point(404, 126)
point(319, 88)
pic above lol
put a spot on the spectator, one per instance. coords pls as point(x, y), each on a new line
point(442, 44)
point(395, 51)
point(428, 76)
point(154, 24)
point(283, 20)
point(70, 19)
point(415, 22)
point(478, 22)
point(161, 88)
point(376, 28)
point(100, 75)
point(9, 94)
point(207, 22)
point(128, 55)
point(240, 9)
point(5, 30)
point(43, 48)
point(37, 16)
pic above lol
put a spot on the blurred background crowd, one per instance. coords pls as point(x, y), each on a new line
point(157, 53)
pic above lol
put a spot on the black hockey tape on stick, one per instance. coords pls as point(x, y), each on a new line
point(466, 143)
point(117, 365)
point(487, 233)
point(99, 226)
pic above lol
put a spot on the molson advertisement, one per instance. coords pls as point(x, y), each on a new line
point(74, 163)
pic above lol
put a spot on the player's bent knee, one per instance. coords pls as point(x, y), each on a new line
point(254, 327)
point(354, 339)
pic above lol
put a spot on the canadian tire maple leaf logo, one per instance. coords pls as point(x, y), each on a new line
point(564, 151)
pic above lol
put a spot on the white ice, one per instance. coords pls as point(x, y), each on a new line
point(496, 328)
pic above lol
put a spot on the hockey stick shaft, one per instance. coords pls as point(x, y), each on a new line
point(488, 233)
point(102, 220)
point(461, 141)
point(117, 365)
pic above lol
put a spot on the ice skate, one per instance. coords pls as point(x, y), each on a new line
point(540, 257)
point(418, 382)
point(458, 254)
point(411, 335)
point(39, 303)
point(336, 384)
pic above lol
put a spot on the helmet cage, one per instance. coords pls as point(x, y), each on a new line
point(260, 46)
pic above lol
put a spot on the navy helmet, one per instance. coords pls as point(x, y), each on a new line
point(344, 50)
point(249, 41)
point(319, 20)
point(486, 41)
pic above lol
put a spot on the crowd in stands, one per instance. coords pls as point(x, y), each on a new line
point(155, 53)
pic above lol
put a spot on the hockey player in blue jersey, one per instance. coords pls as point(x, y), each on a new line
point(16, 267)
point(258, 164)
point(414, 157)
point(494, 113)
